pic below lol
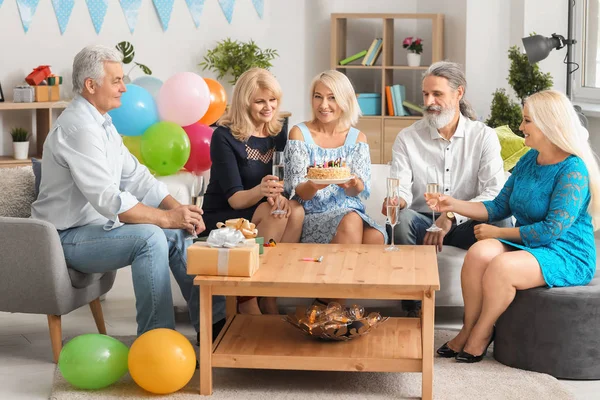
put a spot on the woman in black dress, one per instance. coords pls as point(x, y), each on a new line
point(241, 181)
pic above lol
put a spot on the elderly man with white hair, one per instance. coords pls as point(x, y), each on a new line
point(110, 212)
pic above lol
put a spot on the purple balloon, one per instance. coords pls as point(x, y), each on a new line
point(183, 98)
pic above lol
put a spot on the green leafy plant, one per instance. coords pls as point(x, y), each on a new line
point(234, 58)
point(128, 52)
point(525, 80)
point(19, 135)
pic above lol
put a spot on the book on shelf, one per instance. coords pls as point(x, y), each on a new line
point(413, 107)
point(399, 93)
point(370, 51)
point(389, 101)
point(353, 57)
point(376, 52)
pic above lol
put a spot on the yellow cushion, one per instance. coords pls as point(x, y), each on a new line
point(513, 146)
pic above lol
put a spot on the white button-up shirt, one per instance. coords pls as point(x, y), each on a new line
point(88, 175)
point(469, 165)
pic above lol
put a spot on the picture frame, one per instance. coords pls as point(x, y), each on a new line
point(1, 94)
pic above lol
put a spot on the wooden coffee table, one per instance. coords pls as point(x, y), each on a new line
point(347, 271)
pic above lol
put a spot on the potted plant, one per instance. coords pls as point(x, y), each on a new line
point(525, 79)
point(20, 138)
point(128, 52)
point(233, 58)
point(414, 45)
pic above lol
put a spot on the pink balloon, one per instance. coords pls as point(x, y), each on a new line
point(183, 98)
point(200, 136)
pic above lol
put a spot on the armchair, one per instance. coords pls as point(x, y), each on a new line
point(34, 277)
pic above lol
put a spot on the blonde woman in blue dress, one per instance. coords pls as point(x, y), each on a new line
point(333, 213)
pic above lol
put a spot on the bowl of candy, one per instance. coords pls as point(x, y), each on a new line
point(334, 321)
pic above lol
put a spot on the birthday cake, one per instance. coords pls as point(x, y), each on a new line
point(335, 169)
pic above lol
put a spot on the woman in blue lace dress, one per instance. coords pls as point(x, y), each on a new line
point(554, 195)
point(333, 213)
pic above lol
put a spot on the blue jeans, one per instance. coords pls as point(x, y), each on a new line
point(151, 251)
point(412, 227)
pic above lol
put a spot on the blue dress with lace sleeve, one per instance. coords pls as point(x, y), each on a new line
point(550, 204)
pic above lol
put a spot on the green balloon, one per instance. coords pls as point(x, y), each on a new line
point(165, 148)
point(93, 361)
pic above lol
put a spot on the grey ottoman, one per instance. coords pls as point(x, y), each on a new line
point(555, 331)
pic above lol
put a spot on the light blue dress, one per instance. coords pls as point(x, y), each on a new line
point(324, 212)
point(550, 204)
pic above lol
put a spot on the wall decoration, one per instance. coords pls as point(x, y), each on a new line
point(131, 10)
point(227, 8)
point(1, 1)
point(27, 11)
point(195, 7)
point(97, 9)
point(63, 10)
point(163, 9)
point(259, 6)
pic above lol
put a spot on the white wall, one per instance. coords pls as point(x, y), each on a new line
point(298, 29)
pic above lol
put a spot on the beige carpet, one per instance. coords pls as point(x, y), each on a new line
point(485, 380)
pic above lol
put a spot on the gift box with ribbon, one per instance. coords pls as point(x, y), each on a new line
point(38, 75)
point(47, 93)
point(224, 253)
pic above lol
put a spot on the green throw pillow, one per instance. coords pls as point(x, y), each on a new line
point(513, 146)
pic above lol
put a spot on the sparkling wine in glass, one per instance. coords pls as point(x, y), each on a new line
point(392, 211)
point(198, 191)
point(278, 171)
point(432, 191)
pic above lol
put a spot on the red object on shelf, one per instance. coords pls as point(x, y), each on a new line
point(38, 75)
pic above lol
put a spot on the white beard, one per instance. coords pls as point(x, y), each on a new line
point(440, 120)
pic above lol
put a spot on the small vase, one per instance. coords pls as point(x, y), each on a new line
point(414, 59)
point(21, 150)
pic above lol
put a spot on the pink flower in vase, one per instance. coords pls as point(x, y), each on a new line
point(407, 42)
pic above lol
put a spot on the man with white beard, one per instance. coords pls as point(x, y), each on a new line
point(463, 152)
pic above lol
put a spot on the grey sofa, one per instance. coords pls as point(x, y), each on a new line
point(34, 276)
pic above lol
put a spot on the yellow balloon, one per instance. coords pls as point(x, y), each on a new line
point(134, 144)
point(162, 361)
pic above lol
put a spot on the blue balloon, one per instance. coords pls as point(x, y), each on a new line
point(150, 83)
point(137, 112)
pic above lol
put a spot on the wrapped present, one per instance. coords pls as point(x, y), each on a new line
point(260, 241)
point(23, 94)
point(47, 93)
point(38, 75)
point(225, 253)
point(54, 80)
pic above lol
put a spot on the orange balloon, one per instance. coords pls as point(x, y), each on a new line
point(218, 102)
point(162, 361)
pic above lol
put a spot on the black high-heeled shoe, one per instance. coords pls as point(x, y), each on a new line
point(469, 358)
point(446, 352)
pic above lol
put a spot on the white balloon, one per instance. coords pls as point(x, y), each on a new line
point(150, 83)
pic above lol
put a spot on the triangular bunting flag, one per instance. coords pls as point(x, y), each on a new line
point(195, 7)
point(27, 11)
point(1, 1)
point(97, 9)
point(163, 9)
point(131, 9)
point(259, 6)
point(227, 7)
point(63, 9)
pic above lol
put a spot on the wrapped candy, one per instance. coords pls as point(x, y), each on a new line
point(247, 228)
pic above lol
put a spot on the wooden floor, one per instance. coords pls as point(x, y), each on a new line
point(26, 368)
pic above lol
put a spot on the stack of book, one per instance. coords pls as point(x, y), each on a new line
point(370, 56)
point(397, 105)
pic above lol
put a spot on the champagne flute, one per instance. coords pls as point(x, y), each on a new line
point(432, 191)
point(392, 209)
point(278, 171)
point(198, 191)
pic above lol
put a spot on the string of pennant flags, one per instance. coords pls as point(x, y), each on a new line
point(97, 10)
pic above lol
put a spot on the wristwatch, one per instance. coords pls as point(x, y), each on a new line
point(451, 216)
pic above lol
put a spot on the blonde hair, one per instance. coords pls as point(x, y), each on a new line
point(344, 94)
point(553, 113)
point(237, 118)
